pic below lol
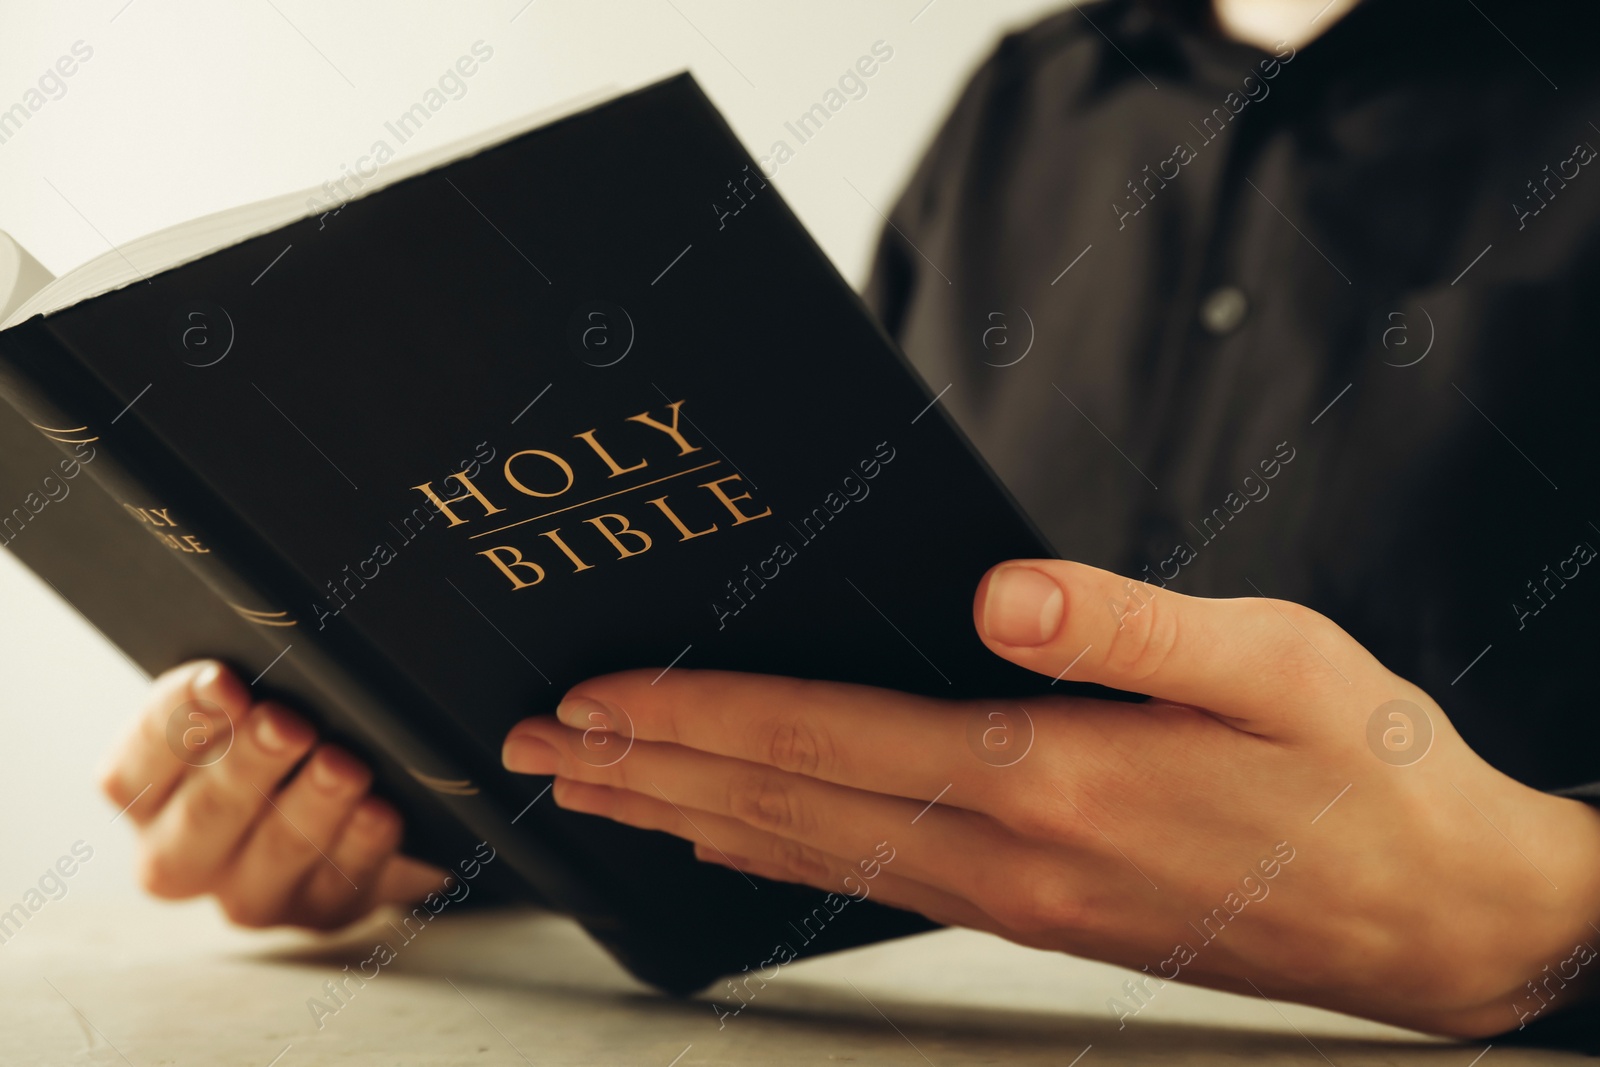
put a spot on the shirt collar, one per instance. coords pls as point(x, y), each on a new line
point(1178, 41)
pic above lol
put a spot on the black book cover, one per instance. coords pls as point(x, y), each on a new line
point(587, 400)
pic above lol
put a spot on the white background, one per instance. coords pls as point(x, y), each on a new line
point(189, 107)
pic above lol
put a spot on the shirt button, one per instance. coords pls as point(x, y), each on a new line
point(1223, 310)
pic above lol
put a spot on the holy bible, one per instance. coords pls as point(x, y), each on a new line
point(421, 450)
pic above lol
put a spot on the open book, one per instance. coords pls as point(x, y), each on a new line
point(27, 289)
point(560, 401)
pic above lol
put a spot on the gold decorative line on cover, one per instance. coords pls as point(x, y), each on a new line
point(53, 433)
point(455, 787)
point(596, 500)
point(264, 618)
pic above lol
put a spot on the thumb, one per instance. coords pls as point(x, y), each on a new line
point(1248, 658)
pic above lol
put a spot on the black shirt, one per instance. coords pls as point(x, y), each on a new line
point(1311, 324)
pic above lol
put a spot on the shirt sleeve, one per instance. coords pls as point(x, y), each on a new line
point(1575, 1026)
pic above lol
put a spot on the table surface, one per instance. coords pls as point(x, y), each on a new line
point(145, 983)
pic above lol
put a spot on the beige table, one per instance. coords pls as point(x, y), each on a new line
point(149, 984)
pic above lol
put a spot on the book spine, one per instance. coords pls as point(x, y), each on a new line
point(68, 404)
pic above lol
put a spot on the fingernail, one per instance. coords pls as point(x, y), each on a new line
point(586, 712)
point(205, 682)
point(575, 800)
point(333, 769)
point(529, 755)
point(1022, 608)
point(275, 730)
point(371, 818)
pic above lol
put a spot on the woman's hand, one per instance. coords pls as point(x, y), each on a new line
point(274, 840)
point(1285, 817)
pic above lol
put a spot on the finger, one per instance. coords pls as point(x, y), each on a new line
point(730, 843)
point(1250, 658)
point(198, 831)
point(365, 844)
point(293, 835)
point(940, 840)
point(146, 768)
point(847, 734)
